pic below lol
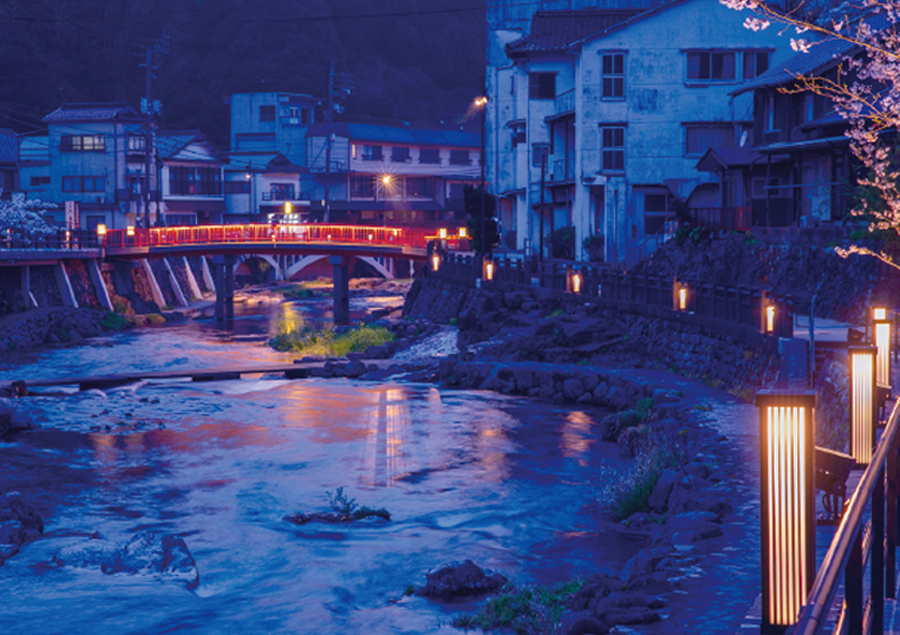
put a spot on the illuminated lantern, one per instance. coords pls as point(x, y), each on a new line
point(881, 330)
point(576, 282)
point(129, 231)
point(101, 230)
point(863, 408)
point(442, 234)
point(435, 262)
point(488, 270)
point(788, 501)
point(462, 232)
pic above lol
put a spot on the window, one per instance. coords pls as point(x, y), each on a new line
point(613, 139)
point(541, 85)
point(282, 191)
point(456, 190)
point(372, 153)
point(195, 181)
point(37, 181)
point(304, 116)
point(83, 184)
point(419, 187)
point(613, 75)
point(755, 63)
point(699, 138)
point(137, 143)
point(540, 151)
point(399, 154)
point(237, 187)
point(267, 112)
point(459, 157)
point(656, 211)
point(710, 66)
point(429, 155)
point(362, 186)
point(771, 114)
point(83, 143)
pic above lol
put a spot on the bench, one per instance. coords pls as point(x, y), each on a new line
point(832, 470)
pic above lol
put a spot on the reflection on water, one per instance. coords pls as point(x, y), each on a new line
point(503, 481)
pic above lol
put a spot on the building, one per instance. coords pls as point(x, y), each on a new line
point(264, 187)
point(9, 159)
point(618, 106)
point(272, 122)
point(192, 175)
point(395, 175)
point(799, 169)
point(90, 163)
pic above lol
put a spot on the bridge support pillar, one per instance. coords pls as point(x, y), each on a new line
point(224, 281)
point(341, 289)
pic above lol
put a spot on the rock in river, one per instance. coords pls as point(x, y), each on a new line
point(164, 555)
point(460, 579)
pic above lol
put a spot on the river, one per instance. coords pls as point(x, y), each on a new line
point(509, 483)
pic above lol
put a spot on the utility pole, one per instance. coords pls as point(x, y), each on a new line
point(339, 87)
point(541, 208)
point(151, 109)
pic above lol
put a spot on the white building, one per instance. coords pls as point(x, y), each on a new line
point(621, 104)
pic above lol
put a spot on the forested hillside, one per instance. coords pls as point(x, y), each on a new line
point(417, 60)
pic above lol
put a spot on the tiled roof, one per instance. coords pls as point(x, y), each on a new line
point(391, 134)
point(261, 161)
point(93, 112)
point(9, 146)
point(820, 55)
point(717, 158)
point(555, 30)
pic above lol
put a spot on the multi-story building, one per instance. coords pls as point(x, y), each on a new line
point(90, 163)
point(9, 158)
point(392, 174)
point(264, 187)
point(272, 122)
point(618, 106)
point(192, 175)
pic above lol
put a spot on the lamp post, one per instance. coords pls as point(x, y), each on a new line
point(481, 102)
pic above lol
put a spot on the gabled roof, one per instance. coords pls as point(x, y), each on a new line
point(717, 159)
point(262, 161)
point(119, 111)
point(9, 146)
point(396, 135)
point(170, 142)
point(555, 30)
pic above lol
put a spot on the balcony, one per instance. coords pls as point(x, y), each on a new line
point(285, 196)
point(563, 169)
point(565, 103)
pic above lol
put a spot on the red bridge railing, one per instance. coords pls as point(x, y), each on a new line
point(257, 234)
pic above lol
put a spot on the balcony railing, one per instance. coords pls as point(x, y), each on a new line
point(565, 102)
point(285, 196)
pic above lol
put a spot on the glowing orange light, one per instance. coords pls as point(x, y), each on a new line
point(682, 298)
point(442, 233)
point(435, 262)
point(101, 230)
point(386, 180)
point(788, 502)
point(862, 403)
point(770, 318)
point(462, 232)
point(879, 314)
point(576, 283)
point(882, 337)
point(489, 270)
point(129, 231)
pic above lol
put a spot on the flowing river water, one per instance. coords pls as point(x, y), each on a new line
point(509, 483)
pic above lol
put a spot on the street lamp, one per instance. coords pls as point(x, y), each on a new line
point(481, 102)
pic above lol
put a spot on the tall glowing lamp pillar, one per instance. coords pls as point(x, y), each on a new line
point(788, 530)
point(881, 331)
point(863, 405)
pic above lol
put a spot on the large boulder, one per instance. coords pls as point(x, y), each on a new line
point(12, 419)
point(19, 524)
point(460, 579)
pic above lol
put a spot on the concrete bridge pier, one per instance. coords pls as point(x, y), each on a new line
point(341, 289)
point(224, 281)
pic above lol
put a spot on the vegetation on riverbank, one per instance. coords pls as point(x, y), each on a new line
point(529, 610)
point(308, 340)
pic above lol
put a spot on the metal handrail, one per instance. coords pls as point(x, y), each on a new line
point(828, 578)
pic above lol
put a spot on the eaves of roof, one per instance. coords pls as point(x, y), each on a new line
point(556, 30)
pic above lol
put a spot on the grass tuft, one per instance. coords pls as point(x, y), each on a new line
point(527, 611)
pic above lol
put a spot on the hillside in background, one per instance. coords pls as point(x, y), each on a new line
point(420, 61)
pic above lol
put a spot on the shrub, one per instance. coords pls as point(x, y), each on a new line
point(530, 610)
point(113, 321)
point(562, 243)
point(325, 342)
point(156, 319)
point(593, 245)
